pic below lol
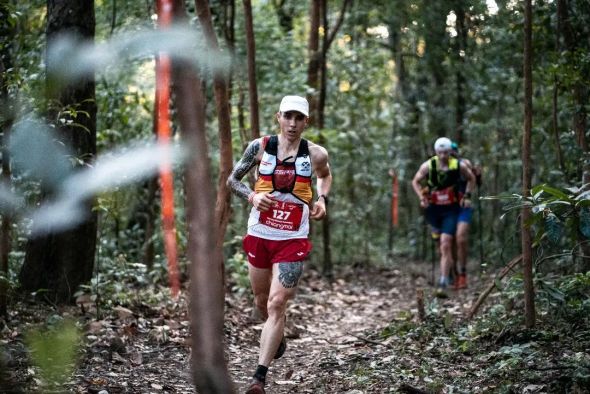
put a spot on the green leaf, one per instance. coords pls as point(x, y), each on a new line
point(537, 189)
point(54, 351)
point(553, 191)
point(553, 228)
point(585, 222)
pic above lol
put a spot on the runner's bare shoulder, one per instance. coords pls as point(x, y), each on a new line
point(319, 155)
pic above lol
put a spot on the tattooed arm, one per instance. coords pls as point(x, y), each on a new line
point(249, 159)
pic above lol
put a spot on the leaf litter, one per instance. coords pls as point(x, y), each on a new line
point(360, 333)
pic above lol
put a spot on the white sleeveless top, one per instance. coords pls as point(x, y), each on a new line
point(289, 218)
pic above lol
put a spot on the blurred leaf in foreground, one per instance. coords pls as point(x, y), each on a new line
point(110, 171)
point(53, 351)
point(37, 153)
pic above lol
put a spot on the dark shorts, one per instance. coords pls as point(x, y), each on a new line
point(465, 215)
point(443, 218)
point(263, 253)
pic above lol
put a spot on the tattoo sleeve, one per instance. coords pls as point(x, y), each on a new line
point(241, 168)
point(289, 274)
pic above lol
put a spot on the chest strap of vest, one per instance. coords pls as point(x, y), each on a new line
point(444, 179)
point(272, 145)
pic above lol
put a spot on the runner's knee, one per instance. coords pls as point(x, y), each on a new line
point(277, 305)
point(446, 244)
point(261, 301)
point(462, 238)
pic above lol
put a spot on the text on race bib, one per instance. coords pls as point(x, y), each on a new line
point(283, 216)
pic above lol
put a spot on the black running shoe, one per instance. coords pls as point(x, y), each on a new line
point(281, 349)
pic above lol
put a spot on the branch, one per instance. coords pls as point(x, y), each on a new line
point(373, 342)
point(332, 34)
point(489, 289)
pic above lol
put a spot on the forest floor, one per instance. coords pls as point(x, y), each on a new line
point(358, 334)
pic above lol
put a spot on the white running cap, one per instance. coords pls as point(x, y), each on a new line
point(443, 143)
point(294, 103)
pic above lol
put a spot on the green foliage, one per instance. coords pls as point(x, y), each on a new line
point(237, 270)
point(380, 114)
point(560, 216)
point(585, 221)
point(53, 351)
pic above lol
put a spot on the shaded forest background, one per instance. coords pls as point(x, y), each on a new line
point(384, 78)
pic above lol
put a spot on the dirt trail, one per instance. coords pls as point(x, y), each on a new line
point(331, 324)
point(331, 329)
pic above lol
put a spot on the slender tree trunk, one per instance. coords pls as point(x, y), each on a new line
point(580, 91)
point(284, 12)
point(252, 86)
point(327, 40)
point(555, 126)
point(148, 251)
point(244, 136)
point(461, 47)
point(220, 87)
point(527, 255)
point(5, 180)
point(554, 109)
point(8, 33)
point(313, 67)
point(209, 369)
point(580, 94)
point(434, 56)
point(229, 33)
point(60, 262)
point(113, 17)
point(327, 266)
point(397, 22)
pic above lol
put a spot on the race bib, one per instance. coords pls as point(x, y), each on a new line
point(283, 216)
point(443, 197)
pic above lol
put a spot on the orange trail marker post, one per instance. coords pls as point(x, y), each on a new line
point(163, 69)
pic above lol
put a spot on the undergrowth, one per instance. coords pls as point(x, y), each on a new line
point(493, 352)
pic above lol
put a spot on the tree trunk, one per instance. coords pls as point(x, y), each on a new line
point(527, 255)
point(147, 251)
point(152, 185)
point(571, 41)
point(6, 225)
point(313, 68)
point(209, 368)
point(580, 91)
point(284, 14)
point(461, 46)
point(252, 86)
point(327, 40)
point(555, 127)
point(435, 38)
point(397, 22)
point(60, 262)
point(229, 34)
point(220, 85)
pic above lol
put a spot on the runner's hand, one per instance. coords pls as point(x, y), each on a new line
point(318, 210)
point(424, 202)
point(263, 201)
point(466, 202)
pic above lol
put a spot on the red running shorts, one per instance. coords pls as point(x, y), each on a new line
point(263, 253)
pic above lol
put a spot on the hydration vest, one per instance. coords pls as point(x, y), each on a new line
point(443, 185)
point(287, 176)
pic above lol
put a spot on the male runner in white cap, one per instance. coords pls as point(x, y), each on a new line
point(442, 200)
point(282, 204)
